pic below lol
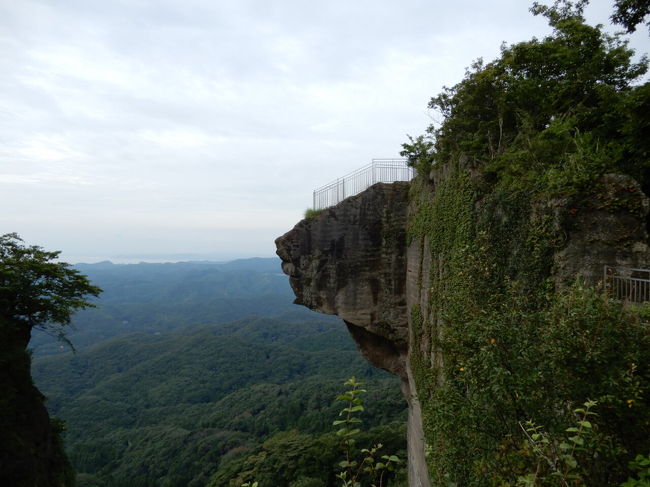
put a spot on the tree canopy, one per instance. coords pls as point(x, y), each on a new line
point(630, 13)
point(544, 104)
point(36, 290)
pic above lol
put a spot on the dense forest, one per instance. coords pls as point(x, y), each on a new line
point(165, 390)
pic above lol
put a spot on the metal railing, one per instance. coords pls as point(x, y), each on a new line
point(378, 171)
point(627, 284)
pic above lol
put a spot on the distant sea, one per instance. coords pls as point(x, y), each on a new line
point(152, 258)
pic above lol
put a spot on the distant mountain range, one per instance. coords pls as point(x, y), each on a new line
point(158, 298)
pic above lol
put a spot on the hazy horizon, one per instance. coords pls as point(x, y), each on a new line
point(161, 258)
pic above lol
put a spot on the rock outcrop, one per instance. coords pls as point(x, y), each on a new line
point(606, 227)
point(31, 451)
point(352, 260)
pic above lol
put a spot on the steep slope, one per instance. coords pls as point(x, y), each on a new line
point(31, 451)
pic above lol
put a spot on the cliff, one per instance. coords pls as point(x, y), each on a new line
point(31, 451)
point(408, 274)
point(525, 368)
point(350, 260)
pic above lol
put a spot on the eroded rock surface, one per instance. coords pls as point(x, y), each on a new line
point(350, 261)
point(606, 228)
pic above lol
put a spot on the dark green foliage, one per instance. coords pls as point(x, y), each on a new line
point(564, 107)
point(175, 402)
point(176, 407)
point(293, 459)
point(35, 291)
point(372, 465)
point(630, 13)
point(507, 348)
point(154, 298)
point(498, 344)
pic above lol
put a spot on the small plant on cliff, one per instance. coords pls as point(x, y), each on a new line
point(363, 469)
point(311, 214)
point(641, 467)
point(560, 457)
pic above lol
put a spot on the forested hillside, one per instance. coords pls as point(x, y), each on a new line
point(155, 298)
point(177, 403)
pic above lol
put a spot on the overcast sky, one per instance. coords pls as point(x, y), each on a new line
point(146, 129)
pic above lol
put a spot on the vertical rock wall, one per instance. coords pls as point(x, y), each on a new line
point(350, 260)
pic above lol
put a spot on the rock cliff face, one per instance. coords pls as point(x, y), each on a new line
point(350, 260)
point(353, 260)
point(31, 452)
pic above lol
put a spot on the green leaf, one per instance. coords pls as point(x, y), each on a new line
point(577, 440)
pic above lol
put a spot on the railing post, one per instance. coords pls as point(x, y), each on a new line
point(379, 170)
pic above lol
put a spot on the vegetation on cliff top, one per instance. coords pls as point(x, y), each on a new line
point(35, 291)
point(500, 353)
point(550, 113)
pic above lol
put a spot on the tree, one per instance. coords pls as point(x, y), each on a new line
point(630, 13)
point(546, 101)
point(37, 291)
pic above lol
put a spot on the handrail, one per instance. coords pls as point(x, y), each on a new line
point(378, 171)
point(627, 284)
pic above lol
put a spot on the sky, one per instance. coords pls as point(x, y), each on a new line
point(197, 129)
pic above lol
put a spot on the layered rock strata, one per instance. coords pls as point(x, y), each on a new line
point(350, 260)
